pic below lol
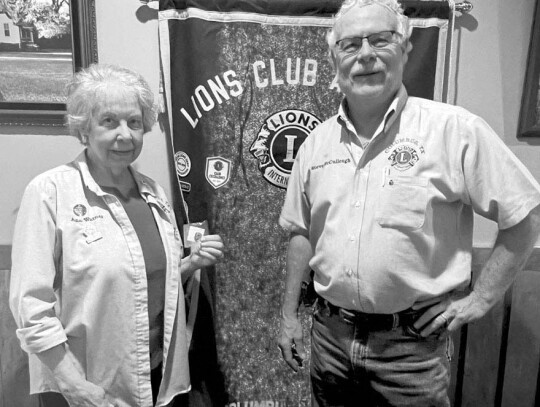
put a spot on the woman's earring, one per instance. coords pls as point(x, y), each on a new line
point(84, 139)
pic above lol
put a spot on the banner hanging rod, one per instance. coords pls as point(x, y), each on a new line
point(464, 6)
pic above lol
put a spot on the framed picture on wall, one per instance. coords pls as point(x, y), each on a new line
point(529, 119)
point(42, 43)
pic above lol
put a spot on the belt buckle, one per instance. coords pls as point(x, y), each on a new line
point(396, 322)
point(347, 315)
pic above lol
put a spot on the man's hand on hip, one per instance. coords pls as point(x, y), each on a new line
point(450, 312)
point(291, 342)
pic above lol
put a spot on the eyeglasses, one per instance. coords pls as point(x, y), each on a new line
point(351, 46)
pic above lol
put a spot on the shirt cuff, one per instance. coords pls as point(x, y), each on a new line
point(292, 227)
point(517, 215)
point(42, 336)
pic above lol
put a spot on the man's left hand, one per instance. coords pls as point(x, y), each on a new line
point(451, 311)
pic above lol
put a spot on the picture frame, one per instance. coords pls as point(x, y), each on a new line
point(529, 118)
point(84, 53)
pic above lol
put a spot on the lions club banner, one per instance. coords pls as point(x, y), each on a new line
point(245, 84)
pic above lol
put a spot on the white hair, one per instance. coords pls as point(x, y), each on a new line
point(87, 89)
point(404, 28)
point(393, 6)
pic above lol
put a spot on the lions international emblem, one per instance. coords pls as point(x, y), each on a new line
point(79, 210)
point(278, 141)
point(403, 157)
point(218, 171)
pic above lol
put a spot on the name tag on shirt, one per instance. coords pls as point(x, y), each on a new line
point(193, 232)
point(91, 233)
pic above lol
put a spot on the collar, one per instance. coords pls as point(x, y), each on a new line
point(145, 185)
point(393, 112)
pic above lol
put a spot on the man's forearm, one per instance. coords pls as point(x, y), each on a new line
point(291, 340)
point(298, 256)
point(510, 253)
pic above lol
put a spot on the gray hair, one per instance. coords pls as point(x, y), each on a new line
point(391, 5)
point(86, 91)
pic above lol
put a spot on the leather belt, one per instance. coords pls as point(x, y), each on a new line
point(372, 322)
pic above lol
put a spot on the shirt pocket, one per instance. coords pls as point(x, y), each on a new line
point(402, 202)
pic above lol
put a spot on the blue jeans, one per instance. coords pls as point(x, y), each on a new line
point(353, 366)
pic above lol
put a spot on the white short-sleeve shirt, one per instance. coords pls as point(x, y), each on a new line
point(393, 224)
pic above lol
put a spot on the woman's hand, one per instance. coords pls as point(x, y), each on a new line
point(70, 380)
point(207, 252)
point(86, 394)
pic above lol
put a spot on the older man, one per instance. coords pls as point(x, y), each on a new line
point(380, 205)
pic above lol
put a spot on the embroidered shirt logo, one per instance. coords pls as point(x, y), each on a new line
point(404, 153)
point(331, 162)
point(165, 206)
point(278, 141)
point(79, 210)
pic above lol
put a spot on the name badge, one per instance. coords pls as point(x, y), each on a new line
point(193, 232)
point(91, 233)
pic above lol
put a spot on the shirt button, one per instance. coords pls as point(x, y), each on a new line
point(391, 182)
point(349, 272)
point(357, 204)
point(351, 238)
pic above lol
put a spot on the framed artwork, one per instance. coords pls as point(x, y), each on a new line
point(529, 119)
point(42, 43)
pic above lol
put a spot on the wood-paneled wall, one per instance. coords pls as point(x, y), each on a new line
point(497, 359)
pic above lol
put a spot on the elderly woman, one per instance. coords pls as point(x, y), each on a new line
point(96, 285)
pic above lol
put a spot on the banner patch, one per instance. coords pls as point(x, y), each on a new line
point(182, 163)
point(278, 141)
point(218, 171)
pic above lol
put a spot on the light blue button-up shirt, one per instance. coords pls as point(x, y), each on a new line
point(391, 224)
point(78, 276)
